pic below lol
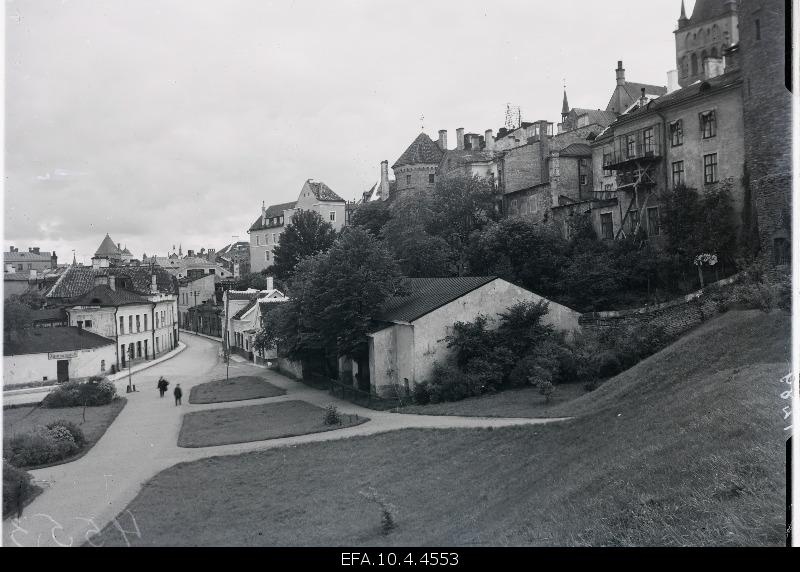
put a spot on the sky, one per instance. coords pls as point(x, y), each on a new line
point(166, 122)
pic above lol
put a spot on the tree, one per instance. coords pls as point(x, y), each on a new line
point(34, 299)
point(306, 235)
point(421, 255)
point(334, 295)
point(371, 216)
point(16, 317)
point(255, 280)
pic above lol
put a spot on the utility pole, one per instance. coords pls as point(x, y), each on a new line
point(226, 344)
point(195, 312)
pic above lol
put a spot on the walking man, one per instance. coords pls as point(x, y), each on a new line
point(178, 394)
point(162, 386)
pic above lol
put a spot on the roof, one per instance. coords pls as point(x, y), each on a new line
point(26, 256)
point(103, 295)
point(421, 150)
point(17, 276)
point(634, 89)
point(273, 211)
point(464, 156)
point(44, 340)
point(48, 315)
point(78, 280)
point(426, 295)
point(708, 10)
point(576, 150)
point(599, 116)
point(107, 248)
point(238, 315)
point(323, 192)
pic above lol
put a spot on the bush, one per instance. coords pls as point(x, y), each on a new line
point(448, 383)
point(17, 488)
point(332, 416)
point(78, 394)
point(75, 431)
point(420, 394)
point(40, 448)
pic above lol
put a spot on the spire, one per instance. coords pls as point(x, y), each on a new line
point(565, 104)
point(683, 21)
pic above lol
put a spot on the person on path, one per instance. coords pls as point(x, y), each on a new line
point(20, 497)
point(178, 394)
point(162, 385)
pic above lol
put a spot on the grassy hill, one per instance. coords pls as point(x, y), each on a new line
point(686, 448)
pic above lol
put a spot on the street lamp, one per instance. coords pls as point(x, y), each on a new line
point(130, 364)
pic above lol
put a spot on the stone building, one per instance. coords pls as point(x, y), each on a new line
point(24, 262)
point(192, 291)
point(701, 41)
point(416, 168)
point(265, 232)
point(768, 122)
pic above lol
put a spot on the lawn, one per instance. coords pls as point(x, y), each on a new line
point(29, 418)
point(256, 423)
point(235, 389)
point(685, 448)
point(524, 402)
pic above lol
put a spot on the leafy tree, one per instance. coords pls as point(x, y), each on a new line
point(255, 280)
point(306, 235)
point(421, 255)
point(371, 216)
point(34, 299)
point(718, 222)
point(334, 296)
point(16, 316)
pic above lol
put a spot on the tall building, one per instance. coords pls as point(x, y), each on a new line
point(416, 167)
point(766, 66)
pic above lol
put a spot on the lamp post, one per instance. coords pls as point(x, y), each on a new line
point(130, 364)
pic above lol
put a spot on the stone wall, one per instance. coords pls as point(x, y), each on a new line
point(676, 317)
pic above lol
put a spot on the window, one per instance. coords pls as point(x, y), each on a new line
point(710, 168)
point(138, 325)
point(102, 365)
point(408, 179)
point(431, 178)
point(677, 174)
point(608, 187)
point(758, 29)
point(122, 353)
point(708, 124)
point(676, 132)
point(653, 225)
point(266, 256)
point(630, 147)
point(684, 66)
point(145, 322)
point(584, 180)
point(162, 318)
point(146, 352)
point(694, 64)
point(606, 226)
point(258, 240)
point(332, 216)
point(88, 323)
point(138, 349)
point(649, 141)
point(80, 324)
point(607, 161)
point(121, 325)
point(274, 238)
point(156, 319)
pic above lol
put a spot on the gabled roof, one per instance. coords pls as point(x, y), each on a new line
point(598, 116)
point(26, 257)
point(78, 280)
point(273, 211)
point(103, 295)
point(634, 89)
point(323, 192)
point(250, 305)
point(421, 151)
point(107, 248)
point(428, 294)
point(44, 340)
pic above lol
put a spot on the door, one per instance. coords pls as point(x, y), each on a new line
point(62, 367)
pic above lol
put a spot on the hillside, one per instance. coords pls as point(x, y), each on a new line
point(686, 448)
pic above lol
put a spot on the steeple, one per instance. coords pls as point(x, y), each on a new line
point(564, 106)
point(683, 20)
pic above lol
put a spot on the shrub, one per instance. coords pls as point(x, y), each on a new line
point(75, 431)
point(546, 388)
point(17, 488)
point(420, 394)
point(448, 383)
point(40, 448)
point(332, 416)
point(387, 509)
point(78, 394)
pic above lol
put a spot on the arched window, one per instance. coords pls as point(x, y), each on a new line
point(714, 33)
point(703, 56)
point(684, 66)
point(688, 41)
point(713, 53)
point(694, 64)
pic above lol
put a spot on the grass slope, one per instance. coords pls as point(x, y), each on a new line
point(256, 423)
point(235, 389)
point(686, 448)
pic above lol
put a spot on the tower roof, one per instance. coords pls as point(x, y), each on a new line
point(107, 248)
point(565, 104)
point(422, 150)
point(708, 10)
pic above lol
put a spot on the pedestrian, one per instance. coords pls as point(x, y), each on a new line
point(162, 386)
point(178, 394)
point(20, 497)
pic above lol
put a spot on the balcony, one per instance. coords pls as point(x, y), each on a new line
point(635, 148)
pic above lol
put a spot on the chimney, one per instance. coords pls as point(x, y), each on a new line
point(269, 283)
point(443, 139)
point(263, 213)
point(112, 282)
point(460, 138)
point(384, 173)
point(488, 138)
point(153, 284)
point(672, 81)
point(12, 249)
point(33, 274)
point(53, 260)
point(34, 250)
point(643, 99)
point(95, 262)
point(620, 73)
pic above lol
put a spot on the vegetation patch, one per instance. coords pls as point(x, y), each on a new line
point(96, 391)
point(235, 389)
point(258, 423)
point(18, 490)
point(34, 437)
point(685, 448)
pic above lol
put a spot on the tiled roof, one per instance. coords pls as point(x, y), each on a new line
point(44, 340)
point(107, 248)
point(78, 280)
point(238, 315)
point(49, 315)
point(576, 150)
point(103, 295)
point(26, 257)
point(635, 89)
point(708, 10)
point(273, 211)
point(422, 150)
point(428, 294)
point(598, 116)
point(323, 192)
point(16, 276)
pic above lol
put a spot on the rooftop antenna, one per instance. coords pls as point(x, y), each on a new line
point(422, 122)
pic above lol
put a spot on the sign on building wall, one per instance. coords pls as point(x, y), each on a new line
point(62, 355)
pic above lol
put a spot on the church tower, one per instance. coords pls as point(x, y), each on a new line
point(700, 41)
